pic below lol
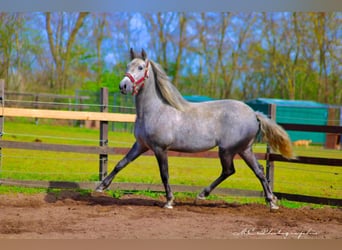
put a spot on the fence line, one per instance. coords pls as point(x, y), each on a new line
point(79, 100)
point(66, 115)
point(104, 150)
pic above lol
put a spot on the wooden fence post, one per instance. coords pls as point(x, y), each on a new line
point(103, 134)
point(2, 99)
point(269, 163)
point(331, 141)
point(36, 105)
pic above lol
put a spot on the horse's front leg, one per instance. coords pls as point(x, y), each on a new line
point(132, 154)
point(161, 156)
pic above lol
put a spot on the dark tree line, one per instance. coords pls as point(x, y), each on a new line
point(222, 55)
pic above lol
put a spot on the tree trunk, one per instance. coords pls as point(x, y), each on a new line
point(181, 44)
point(62, 56)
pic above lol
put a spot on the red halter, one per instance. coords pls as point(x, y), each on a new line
point(137, 84)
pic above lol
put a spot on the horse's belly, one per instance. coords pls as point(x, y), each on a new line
point(193, 144)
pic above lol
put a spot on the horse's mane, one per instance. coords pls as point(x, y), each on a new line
point(166, 89)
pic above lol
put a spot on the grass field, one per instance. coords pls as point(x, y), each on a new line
point(304, 179)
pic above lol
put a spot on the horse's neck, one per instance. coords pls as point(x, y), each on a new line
point(147, 101)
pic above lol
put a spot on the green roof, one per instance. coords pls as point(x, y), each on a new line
point(282, 102)
point(198, 98)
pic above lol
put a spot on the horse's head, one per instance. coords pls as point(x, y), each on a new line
point(136, 73)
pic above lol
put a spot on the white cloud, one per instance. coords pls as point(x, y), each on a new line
point(110, 58)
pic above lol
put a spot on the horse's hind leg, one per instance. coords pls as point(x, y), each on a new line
point(228, 169)
point(249, 157)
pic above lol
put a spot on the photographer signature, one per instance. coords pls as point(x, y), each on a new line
point(275, 232)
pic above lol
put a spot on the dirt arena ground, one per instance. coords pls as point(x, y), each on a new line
point(72, 216)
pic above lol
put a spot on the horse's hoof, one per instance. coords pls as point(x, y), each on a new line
point(274, 209)
point(200, 197)
point(98, 192)
point(168, 206)
point(199, 200)
point(273, 205)
point(99, 189)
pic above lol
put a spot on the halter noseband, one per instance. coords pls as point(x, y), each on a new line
point(138, 84)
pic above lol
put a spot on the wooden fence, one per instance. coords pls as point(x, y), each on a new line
point(103, 151)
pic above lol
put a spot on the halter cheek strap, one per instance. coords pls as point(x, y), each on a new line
point(138, 84)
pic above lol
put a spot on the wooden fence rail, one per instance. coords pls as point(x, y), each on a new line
point(66, 115)
point(312, 128)
point(103, 150)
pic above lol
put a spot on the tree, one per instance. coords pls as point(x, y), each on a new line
point(222, 55)
point(61, 42)
point(10, 27)
point(208, 28)
point(182, 42)
point(160, 27)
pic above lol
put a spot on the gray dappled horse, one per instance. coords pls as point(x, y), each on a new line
point(166, 121)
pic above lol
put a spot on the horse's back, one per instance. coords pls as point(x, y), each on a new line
point(233, 111)
point(237, 121)
point(228, 123)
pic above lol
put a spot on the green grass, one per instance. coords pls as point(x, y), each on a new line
point(26, 131)
point(17, 189)
point(58, 166)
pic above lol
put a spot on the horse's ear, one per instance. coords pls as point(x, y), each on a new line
point(143, 54)
point(132, 54)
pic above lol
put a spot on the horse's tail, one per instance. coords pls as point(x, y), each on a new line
point(275, 135)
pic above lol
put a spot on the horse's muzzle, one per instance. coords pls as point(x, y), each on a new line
point(124, 87)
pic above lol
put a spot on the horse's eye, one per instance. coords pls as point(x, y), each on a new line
point(140, 68)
